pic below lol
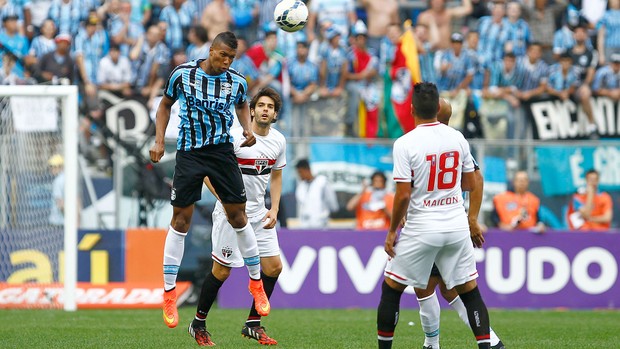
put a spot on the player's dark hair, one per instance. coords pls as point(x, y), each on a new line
point(590, 171)
point(227, 38)
point(267, 92)
point(303, 164)
point(425, 100)
point(201, 33)
point(378, 174)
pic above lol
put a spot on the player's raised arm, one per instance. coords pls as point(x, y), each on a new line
point(243, 113)
point(161, 122)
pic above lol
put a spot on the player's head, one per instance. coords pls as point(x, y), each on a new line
point(521, 182)
point(445, 111)
point(378, 180)
point(265, 106)
point(222, 51)
point(303, 169)
point(425, 100)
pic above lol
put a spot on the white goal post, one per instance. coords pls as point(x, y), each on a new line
point(68, 95)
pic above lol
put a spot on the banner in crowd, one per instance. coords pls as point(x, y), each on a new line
point(116, 268)
point(573, 163)
point(344, 269)
point(554, 119)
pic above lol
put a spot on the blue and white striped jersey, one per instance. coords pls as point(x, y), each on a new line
point(606, 78)
point(611, 21)
point(206, 102)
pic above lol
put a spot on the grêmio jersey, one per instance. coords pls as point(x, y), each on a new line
point(206, 103)
point(433, 158)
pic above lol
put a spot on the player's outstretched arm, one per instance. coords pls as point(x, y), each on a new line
point(243, 113)
point(161, 122)
point(399, 209)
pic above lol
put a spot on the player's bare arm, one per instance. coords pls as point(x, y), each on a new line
point(243, 113)
point(475, 201)
point(161, 122)
point(271, 217)
point(399, 209)
point(468, 181)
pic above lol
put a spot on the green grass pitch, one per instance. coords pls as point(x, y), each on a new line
point(297, 329)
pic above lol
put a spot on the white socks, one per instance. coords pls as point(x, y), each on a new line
point(429, 318)
point(246, 239)
point(173, 255)
point(457, 304)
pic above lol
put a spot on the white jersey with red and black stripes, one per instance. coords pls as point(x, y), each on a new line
point(256, 163)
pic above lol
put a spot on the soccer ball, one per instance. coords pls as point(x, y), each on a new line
point(291, 15)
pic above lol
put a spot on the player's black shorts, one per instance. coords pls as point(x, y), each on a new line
point(216, 161)
point(435, 271)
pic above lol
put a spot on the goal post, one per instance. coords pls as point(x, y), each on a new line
point(12, 147)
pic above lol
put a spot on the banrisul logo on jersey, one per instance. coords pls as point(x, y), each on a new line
point(193, 102)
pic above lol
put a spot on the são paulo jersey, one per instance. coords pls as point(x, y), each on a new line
point(433, 157)
point(256, 163)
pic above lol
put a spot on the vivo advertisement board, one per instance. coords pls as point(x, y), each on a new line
point(344, 269)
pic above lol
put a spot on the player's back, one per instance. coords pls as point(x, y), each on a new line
point(434, 156)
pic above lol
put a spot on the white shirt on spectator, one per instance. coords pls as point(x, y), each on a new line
point(315, 200)
point(110, 73)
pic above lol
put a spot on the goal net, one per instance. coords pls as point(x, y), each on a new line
point(38, 196)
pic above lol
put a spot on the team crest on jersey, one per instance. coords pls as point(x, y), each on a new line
point(226, 88)
point(227, 252)
point(261, 164)
point(173, 194)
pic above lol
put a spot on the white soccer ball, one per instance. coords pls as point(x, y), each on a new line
point(291, 15)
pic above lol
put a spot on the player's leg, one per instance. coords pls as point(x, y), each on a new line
point(452, 297)
point(583, 95)
point(387, 312)
point(186, 190)
point(458, 268)
point(430, 311)
point(210, 287)
point(271, 268)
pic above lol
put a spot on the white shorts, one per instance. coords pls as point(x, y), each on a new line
point(225, 249)
point(453, 253)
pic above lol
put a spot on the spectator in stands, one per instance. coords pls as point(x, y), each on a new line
point(178, 19)
point(589, 208)
point(607, 79)
point(518, 34)
point(563, 81)
point(476, 60)
point(443, 18)
point(216, 18)
point(333, 66)
point(39, 13)
point(114, 73)
point(608, 40)
point(67, 14)
point(178, 57)
point(141, 11)
point(315, 197)
point(361, 86)
point(244, 13)
point(304, 82)
point(198, 43)
point(265, 15)
point(91, 45)
point(427, 37)
point(57, 66)
point(493, 34)
point(501, 85)
point(269, 62)
point(147, 56)
point(44, 42)
point(7, 74)
point(121, 29)
point(517, 209)
point(14, 43)
point(380, 15)
point(339, 13)
point(57, 216)
point(564, 40)
point(372, 206)
point(584, 63)
point(244, 65)
point(456, 72)
point(534, 72)
point(541, 16)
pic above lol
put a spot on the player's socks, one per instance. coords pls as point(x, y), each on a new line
point(387, 315)
point(269, 283)
point(478, 316)
point(429, 318)
point(457, 304)
point(246, 239)
point(173, 255)
point(209, 290)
